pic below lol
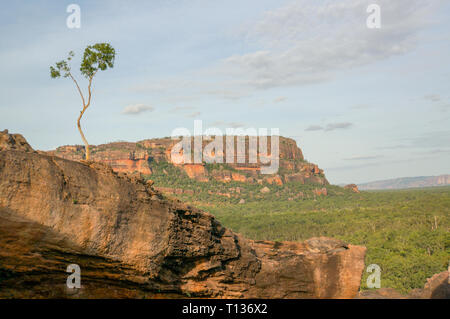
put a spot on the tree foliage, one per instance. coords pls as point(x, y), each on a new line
point(96, 57)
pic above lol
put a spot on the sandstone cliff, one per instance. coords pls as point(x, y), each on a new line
point(130, 241)
point(137, 157)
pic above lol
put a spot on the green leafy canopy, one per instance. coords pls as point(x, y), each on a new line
point(62, 66)
point(99, 56)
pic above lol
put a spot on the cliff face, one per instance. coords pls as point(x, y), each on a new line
point(137, 157)
point(125, 235)
point(122, 156)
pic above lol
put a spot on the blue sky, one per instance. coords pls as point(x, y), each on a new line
point(364, 104)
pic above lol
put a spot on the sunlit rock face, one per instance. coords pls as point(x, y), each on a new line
point(137, 157)
point(130, 241)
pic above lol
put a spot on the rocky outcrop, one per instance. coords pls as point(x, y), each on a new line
point(224, 175)
point(125, 234)
point(276, 180)
point(320, 192)
point(265, 190)
point(196, 171)
point(121, 156)
point(436, 287)
point(13, 142)
point(352, 187)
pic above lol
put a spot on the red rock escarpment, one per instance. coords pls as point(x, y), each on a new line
point(121, 156)
point(135, 157)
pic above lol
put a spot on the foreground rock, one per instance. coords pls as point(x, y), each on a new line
point(34, 259)
point(13, 142)
point(132, 242)
point(436, 287)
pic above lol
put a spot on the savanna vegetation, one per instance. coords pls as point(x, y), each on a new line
point(406, 232)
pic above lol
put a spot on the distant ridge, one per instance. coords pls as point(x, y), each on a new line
point(143, 156)
point(407, 182)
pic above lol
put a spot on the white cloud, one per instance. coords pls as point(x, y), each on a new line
point(330, 127)
point(314, 128)
point(361, 107)
point(179, 109)
point(183, 109)
point(432, 97)
point(228, 124)
point(338, 126)
point(308, 41)
point(433, 139)
point(194, 114)
point(137, 109)
point(363, 158)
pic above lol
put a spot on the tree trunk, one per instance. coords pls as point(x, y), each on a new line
point(86, 144)
point(85, 106)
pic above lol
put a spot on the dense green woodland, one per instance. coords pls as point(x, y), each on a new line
point(406, 232)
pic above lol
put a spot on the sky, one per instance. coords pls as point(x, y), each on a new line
point(363, 103)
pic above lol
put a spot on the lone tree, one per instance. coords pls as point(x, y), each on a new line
point(99, 56)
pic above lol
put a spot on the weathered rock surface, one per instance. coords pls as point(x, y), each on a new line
point(34, 258)
point(130, 241)
point(13, 142)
